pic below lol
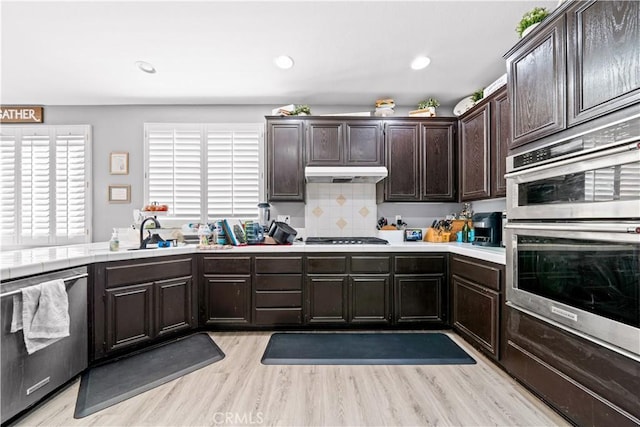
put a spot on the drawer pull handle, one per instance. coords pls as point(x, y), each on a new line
point(37, 386)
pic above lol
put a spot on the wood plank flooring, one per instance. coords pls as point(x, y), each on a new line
point(239, 390)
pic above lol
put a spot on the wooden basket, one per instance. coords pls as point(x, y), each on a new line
point(432, 235)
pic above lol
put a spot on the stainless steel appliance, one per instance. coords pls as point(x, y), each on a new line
point(573, 236)
point(346, 241)
point(487, 228)
point(27, 378)
point(264, 215)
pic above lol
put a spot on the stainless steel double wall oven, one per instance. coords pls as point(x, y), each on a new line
point(573, 236)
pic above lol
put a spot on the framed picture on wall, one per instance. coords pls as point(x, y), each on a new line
point(119, 163)
point(120, 193)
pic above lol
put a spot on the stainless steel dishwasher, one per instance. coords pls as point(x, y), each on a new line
point(27, 378)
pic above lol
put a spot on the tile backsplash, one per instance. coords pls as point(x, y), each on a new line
point(341, 210)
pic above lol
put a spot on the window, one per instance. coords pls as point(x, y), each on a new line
point(46, 198)
point(205, 172)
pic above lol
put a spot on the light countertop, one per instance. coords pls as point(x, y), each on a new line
point(20, 263)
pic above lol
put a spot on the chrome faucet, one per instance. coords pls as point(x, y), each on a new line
point(151, 238)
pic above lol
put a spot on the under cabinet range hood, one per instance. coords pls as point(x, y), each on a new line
point(345, 174)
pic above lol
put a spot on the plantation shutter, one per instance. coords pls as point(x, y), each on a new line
point(8, 187)
point(45, 193)
point(204, 171)
point(174, 173)
point(233, 166)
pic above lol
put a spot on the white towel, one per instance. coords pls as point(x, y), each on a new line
point(45, 314)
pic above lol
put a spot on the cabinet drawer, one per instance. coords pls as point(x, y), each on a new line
point(147, 271)
point(279, 282)
point(227, 265)
point(419, 264)
point(270, 316)
point(370, 264)
point(327, 265)
point(278, 299)
point(483, 274)
point(278, 265)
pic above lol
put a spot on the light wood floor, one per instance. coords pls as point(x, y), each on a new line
point(239, 390)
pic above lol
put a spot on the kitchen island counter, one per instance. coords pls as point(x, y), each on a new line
point(26, 262)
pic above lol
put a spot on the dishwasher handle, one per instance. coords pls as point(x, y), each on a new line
point(65, 279)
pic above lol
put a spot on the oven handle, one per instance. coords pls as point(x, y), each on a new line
point(572, 160)
point(608, 227)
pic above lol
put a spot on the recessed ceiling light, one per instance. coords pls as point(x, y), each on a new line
point(146, 67)
point(283, 61)
point(420, 62)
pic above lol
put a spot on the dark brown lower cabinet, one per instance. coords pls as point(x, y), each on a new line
point(419, 288)
point(277, 290)
point(476, 304)
point(129, 316)
point(225, 290)
point(418, 299)
point(141, 301)
point(369, 299)
point(227, 299)
point(348, 289)
point(587, 383)
point(327, 299)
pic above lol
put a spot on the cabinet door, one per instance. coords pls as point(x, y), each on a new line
point(327, 299)
point(129, 316)
point(363, 143)
point(369, 299)
point(402, 151)
point(418, 299)
point(603, 57)
point(476, 313)
point(173, 305)
point(500, 141)
point(285, 155)
point(537, 85)
point(474, 154)
point(438, 162)
point(227, 299)
point(325, 142)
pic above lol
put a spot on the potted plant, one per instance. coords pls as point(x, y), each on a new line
point(477, 95)
point(430, 105)
point(530, 20)
point(301, 110)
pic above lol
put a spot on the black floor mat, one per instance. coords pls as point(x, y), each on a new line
point(364, 349)
point(108, 384)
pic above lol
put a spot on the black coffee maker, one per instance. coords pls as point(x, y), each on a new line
point(488, 228)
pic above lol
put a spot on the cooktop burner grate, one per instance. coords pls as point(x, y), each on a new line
point(345, 241)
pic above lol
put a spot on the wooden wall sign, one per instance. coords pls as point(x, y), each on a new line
point(21, 114)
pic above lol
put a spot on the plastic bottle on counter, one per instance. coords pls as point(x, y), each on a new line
point(465, 232)
point(114, 243)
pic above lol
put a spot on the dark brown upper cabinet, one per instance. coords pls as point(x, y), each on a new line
point(474, 154)
point(285, 156)
point(500, 141)
point(344, 143)
point(603, 56)
point(537, 84)
point(438, 161)
point(582, 62)
point(420, 157)
point(485, 132)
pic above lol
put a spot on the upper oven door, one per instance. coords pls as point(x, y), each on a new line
point(599, 185)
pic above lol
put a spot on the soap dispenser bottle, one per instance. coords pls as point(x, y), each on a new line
point(114, 243)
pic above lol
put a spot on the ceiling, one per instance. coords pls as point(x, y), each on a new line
point(221, 52)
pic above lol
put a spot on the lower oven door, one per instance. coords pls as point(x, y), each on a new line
point(582, 276)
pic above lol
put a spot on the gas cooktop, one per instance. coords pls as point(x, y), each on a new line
point(345, 241)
